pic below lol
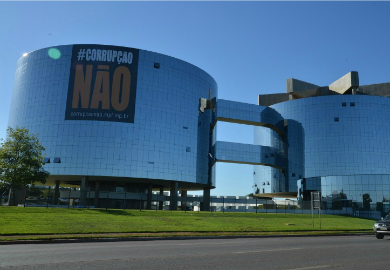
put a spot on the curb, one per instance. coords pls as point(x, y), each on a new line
point(92, 240)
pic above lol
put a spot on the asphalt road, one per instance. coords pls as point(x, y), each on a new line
point(331, 252)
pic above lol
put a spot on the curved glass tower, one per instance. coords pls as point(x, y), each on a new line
point(123, 117)
point(336, 142)
point(117, 118)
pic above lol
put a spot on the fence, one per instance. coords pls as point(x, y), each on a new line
point(69, 198)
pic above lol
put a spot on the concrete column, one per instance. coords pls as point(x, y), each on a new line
point(97, 194)
point(173, 195)
point(206, 199)
point(183, 203)
point(149, 197)
point(161, 203)
point(83, 191)
point(56, 192)
point(72, 200)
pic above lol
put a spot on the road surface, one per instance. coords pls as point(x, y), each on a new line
point(297, 253)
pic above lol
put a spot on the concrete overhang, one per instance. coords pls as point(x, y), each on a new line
point(296, 86)
point(347, 82)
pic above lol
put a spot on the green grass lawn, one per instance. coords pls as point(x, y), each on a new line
point(39, 221)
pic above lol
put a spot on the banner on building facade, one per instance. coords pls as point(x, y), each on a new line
point(102, 83)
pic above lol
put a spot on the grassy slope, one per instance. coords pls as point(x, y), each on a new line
point(18, 221)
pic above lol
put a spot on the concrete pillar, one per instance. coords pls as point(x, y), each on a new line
point(72, 200)
point(183, 203)
point(83, 191)
point(206, 199)
point(173, 195)
point(149, 197)
point(161, 203)
point(56, 192)
point(97, 194)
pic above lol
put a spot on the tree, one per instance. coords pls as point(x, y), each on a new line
point(21, 161)
point(366, 201)
point(35, 191)
point(250, 195)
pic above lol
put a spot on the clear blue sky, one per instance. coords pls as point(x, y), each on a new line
point(250, 48)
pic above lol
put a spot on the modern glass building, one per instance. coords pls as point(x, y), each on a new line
point(117, 119)
point(336, 142)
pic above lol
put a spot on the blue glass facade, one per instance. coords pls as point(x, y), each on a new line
point(152, 124)
point(168, 141)
point(238, 112)
point(345, 147)
point(342, 140)
point(250, 154)
point(268, 179)
point(268, 152)
point(337, 144)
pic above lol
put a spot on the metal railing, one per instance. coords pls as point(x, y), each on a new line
point(69, 198)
